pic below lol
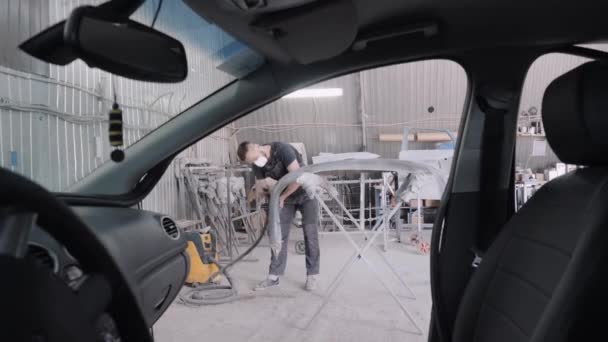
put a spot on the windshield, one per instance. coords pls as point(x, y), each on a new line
point(54, 119)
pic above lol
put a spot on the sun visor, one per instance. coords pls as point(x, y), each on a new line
point(314, 32)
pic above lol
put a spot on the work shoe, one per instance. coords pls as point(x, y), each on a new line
point(311, 283)
point(266, 283)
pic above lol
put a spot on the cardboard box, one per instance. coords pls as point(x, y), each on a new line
point(550, 174)
point(540, 177)
point(425, 203)
point(414, 203)
point(432, 203)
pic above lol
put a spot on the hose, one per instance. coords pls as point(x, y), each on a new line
point(210, 294)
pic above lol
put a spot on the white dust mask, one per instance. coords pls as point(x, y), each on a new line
point(261, 161)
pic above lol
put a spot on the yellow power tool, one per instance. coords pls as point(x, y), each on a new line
point(202, 250)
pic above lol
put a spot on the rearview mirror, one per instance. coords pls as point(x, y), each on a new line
point(124, 47)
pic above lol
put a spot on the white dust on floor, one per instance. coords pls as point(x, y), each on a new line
point(360, 309)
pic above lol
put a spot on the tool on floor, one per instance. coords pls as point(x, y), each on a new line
point(209, 293)
point(300, 247)
point(416, 238)
point(204, 275)
point(202, 250)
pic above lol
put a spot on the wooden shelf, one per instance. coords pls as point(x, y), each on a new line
point(530, 135)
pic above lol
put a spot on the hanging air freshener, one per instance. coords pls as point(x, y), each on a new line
point(115, 132)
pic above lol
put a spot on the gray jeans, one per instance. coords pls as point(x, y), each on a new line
point(310, 218)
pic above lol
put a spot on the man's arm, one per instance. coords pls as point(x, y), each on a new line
point(264, 186)
point(291, 188)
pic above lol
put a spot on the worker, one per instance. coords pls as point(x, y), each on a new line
point(274, 161)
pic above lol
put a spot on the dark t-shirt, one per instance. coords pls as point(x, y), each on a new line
point(281, 155)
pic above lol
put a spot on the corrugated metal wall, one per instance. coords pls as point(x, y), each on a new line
point(53, 119)
point(323, 124)
point(389, 98)
point(426, 94)
point(542, 72)
point(18, 21)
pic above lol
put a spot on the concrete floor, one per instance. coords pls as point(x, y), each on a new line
point(360, 310)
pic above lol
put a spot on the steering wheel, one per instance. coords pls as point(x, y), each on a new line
point(36, 305)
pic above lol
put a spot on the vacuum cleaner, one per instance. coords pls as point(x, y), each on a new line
point(206, 274)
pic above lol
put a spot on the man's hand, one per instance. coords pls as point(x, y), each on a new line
point(263, 186)
point(251, 195)
point(269, 183)
point(281, 202)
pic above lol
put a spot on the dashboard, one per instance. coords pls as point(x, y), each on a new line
point(148, 247)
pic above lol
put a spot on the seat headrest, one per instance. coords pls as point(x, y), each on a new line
point(575, 115)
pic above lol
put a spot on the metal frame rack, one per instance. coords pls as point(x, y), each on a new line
point(308, 177)
point(219, 200)
point(368, 210)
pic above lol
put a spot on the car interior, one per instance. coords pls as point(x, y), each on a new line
point(496, 275)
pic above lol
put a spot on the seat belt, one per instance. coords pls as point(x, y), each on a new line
point(489, 222)
point(477, 257)
point(477, 253)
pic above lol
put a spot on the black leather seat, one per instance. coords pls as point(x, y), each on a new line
point(543, 278)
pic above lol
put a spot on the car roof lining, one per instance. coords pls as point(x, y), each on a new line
point(297, 34)
point(461, 23)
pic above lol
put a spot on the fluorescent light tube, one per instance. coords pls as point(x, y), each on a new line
point(314, 93)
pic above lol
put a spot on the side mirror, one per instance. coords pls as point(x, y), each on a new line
point(124, 47)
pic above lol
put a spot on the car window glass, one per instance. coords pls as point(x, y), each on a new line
point(535, 161)
point(54, 119)
point(410, 111)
